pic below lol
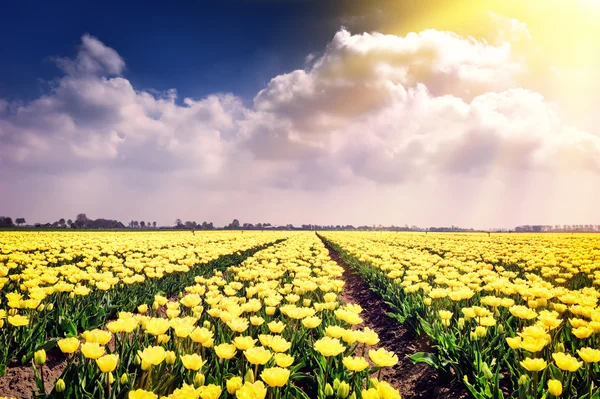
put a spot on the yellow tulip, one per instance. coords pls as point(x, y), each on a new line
point(92, 350)
point(283, 360)
point(153, 355)
point(68, 345)
point(275, 376)
point(383, 358)
point(311, 322)
point(18, 320)
point(555, 387)
point(328, 347)
point(234, 384)
point(249, 390)
point(356, 363)
point(107, 363)
point(225, 351)
point(141, 394)
point(192, 362)
point(258, 355)
point(566, 362)
point(276, 327)
point(533, 364)
point(243, 343)
point(589, 355)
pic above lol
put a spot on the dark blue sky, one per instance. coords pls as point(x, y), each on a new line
point(197, 47)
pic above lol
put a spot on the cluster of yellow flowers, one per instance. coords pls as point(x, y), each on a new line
point(539, 291)
point(273, 323)
point(34, 266)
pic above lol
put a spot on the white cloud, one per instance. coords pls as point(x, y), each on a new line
point(93, 58)
point(429, 115)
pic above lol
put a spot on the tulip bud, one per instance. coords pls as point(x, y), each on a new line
point(59, 386)
point(143, 308)
point(501, 329)
point(199, 380)
point(352, 395)
point(461, 323)
point(71, 295)
point(480, 331)
point(146, 365)
point(155, 305)
point(560, 347)
point(124, 378)
point(343, 390)
point(49, 307)
point(427, 301)
point(170, 357)
point(111, 378)
point(487, 373)
point(523, 380)
point(555, 387)
point(40, 308)
point(328, 390)
point(39, 357)
point(373, 382)
point(336, 384)
point(473, 336)
point(249, 376)
point(206, 324)
point(137, 360)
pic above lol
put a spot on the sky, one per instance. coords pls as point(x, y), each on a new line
point(428, 113)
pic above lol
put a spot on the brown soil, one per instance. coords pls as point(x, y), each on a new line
point(412, 380)
point(19, 381)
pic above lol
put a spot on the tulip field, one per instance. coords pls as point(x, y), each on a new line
point(231, 314)
point(511, 315)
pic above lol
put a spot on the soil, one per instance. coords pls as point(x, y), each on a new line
point(412, 380)
point(19, 381)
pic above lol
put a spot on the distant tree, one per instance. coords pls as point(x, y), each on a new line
point(61, 222)
point(142, 224)
point(20, 221)
point(70, 223)
point(190, 225)
point(154, 224)
point(6, 221)
point(178, 223)
point(234, 225)
point(81, 220)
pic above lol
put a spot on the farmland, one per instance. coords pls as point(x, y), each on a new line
point(298, 314)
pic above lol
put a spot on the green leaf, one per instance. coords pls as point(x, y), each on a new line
point(425, 357)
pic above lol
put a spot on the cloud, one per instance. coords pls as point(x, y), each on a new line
point(374, 112)
point(94, 57)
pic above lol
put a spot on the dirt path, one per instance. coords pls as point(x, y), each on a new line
point(19, 382)
point(413, 380)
